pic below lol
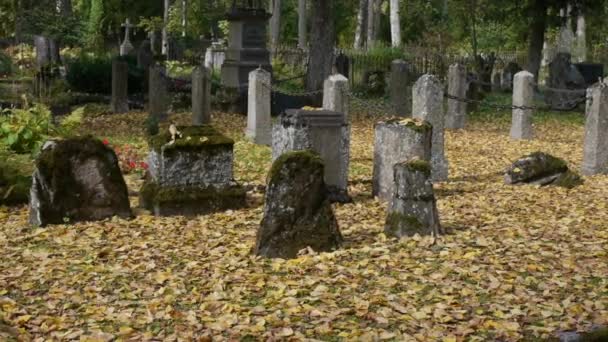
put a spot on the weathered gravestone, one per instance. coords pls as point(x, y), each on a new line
point(564, 75)
point(540, 168)
point(259, 121)
point(413, 209)
point(508, 74)
point(145, 56)
point(428, 106)
point(77, 180)
point(595, 151)
point(457, 87)
point(523, 95)
point(120, 80)
point(322, 131)
point(297, 210)
point(400, 87)
point(191, 175)
point(201, 96)
point(397, 140)
point(158, 94)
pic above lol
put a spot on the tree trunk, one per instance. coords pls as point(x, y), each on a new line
point(184, 17)
point(275, 22)
point(167, 6)
point(395, 23)
point(18, 24)
point(302, 26)
point(537, 36)
point(371, 23)
point(322, 40)
point(581, 38)
point(361, 24)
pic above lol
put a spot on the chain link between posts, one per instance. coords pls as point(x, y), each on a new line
point(383, 107)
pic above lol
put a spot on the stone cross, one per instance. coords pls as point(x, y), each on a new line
point(427, 105)
point(523, 92)
point(457, 86)
point(259, 122)
point(126, 47)
point(595, 151)
point(120, 76)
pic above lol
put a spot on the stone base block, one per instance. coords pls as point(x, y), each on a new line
point(191, 200)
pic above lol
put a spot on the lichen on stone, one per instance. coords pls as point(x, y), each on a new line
point(396, 223)
point(414, 124)
point(419, 165)
point(304, 158)
point(193, 137)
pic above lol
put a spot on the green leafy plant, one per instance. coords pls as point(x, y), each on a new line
point(24, 130)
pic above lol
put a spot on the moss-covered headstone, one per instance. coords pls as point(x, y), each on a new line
point(192, 175)
point(77, 180)
point(297, 211)
point(413, 209)
point(540, 168)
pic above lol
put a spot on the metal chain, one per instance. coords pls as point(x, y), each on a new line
point(566, 104)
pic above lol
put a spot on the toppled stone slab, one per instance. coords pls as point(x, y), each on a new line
point(191, 175)
point(542, 169)
point(297, 210)
point(596, 334)
point(77, 180)
point(413, 209)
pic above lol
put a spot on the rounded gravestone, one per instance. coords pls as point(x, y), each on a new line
point(297, 210)
point(77, 180)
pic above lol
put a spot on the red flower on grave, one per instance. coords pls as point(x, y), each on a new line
point(132, 164)
point(106, 142)
point(143, 165)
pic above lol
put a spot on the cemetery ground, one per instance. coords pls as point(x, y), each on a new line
point(518, 262)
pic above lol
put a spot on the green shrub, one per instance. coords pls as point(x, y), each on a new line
point(6, 64)
point(93, 74)
point(25, 130)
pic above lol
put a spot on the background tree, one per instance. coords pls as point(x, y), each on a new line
point(322, 41)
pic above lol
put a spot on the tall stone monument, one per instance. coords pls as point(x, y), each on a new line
point(247, 48)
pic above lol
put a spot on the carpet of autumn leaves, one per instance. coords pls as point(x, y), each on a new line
point(519, 262)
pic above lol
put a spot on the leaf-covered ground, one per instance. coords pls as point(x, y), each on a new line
point(519, 262)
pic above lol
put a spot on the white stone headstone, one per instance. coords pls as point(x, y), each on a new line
point(259, 122)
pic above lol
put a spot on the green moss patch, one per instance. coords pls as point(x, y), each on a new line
point(411, 123)
point(193, 138)
point(419, 165)
point(190, 200)
point(306, 159)
point(397, 224)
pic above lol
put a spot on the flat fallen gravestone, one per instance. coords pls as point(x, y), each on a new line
point(192, 175)
point(77, 180)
